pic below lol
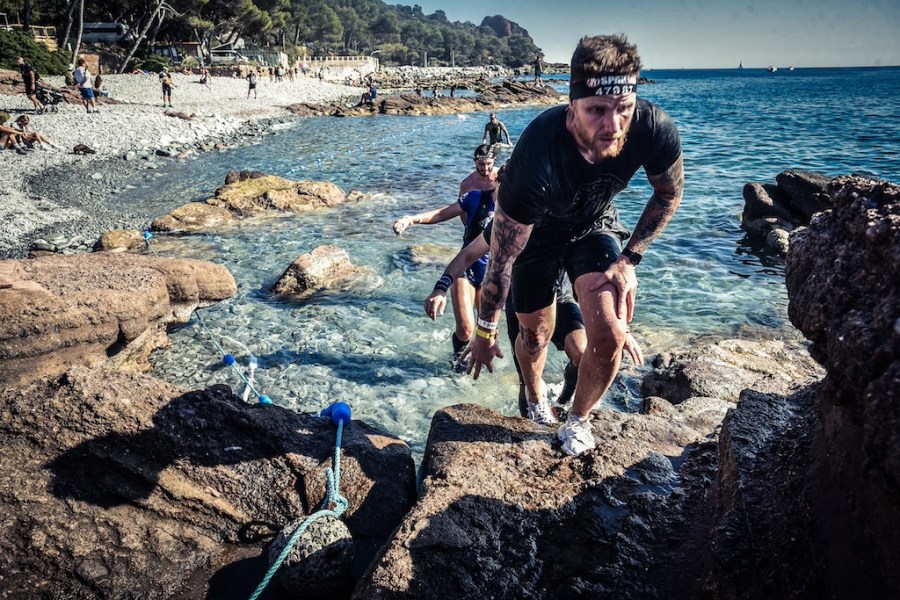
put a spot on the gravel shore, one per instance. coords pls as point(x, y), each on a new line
point(45, 192)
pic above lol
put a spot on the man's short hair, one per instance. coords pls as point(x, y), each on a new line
point(604, 55)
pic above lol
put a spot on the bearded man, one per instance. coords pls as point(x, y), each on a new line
point(555, 212)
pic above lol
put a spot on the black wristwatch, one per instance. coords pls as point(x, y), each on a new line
point(634, 257)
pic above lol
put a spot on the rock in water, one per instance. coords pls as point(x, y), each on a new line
point(320, 563)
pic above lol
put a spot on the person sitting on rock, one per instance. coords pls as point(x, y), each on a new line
point(32, 138)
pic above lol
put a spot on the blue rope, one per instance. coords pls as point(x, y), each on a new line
point(332, 498)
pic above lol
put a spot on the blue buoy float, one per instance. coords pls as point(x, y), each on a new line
point(338, 412)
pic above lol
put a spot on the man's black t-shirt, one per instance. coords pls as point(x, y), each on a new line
point(29, 77)
point(548, 184)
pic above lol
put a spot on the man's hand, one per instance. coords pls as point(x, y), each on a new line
point(401, 224)
point(633, 349)
point(481, 352)
point(435, 304)
point(622, 276)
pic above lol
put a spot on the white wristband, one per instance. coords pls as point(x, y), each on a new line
point(489, 326)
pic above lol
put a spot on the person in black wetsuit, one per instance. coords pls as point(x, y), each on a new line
point(555, 210)
point(568, 333)
point(494, 131)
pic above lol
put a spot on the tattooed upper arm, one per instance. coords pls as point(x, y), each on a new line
point(668, 186)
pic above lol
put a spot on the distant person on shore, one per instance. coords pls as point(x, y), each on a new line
point(30, 78)
point(251, 83)
point(98, 80)
point(165, 79)
point(538, 70)
point(83, 80)
point(494, 131)
point(204, 77)
point(475, 206)
point(32, 139)
point(370, 94)
point(556, 211)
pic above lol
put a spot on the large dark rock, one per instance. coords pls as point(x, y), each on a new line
point(771, 212)
point(807, 191)
point(117, 485)
point(843, 279)
point(502, 512)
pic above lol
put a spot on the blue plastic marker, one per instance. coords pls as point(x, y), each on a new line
point(339, 411)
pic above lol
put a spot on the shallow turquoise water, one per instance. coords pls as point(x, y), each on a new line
point(372, 345)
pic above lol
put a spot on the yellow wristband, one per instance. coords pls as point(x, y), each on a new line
point(488, 335)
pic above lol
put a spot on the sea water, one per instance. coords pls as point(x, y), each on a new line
point(371, 344)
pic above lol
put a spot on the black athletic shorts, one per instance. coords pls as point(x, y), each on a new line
point(568, 319)
point(540, 263)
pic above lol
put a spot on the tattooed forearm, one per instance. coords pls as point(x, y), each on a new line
point(667, 191)
point(507, 242)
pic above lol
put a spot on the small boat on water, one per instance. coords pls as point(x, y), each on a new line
point(790, 68)
point(740, 64)
point(772, 68)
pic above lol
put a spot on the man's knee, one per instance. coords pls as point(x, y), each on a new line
point(608, 339)
point(534, 340)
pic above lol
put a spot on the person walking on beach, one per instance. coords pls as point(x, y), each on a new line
point(165, 79)
point(494, 131)
point(30, 78)
point(475, 206)
point(85, 87)
point(251, 81)
point(556, 212)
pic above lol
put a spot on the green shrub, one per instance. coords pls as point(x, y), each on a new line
point(17, 43)
point(153, 63)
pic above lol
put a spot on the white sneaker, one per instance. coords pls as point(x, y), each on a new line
point(576, 436)
point(541, 412)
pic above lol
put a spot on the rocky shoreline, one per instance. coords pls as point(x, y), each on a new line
point(62, 201)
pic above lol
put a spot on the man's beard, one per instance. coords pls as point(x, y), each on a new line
point(599, 147)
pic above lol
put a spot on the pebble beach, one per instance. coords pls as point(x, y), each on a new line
point(63, 197)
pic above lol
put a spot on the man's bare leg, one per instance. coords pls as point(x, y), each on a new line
point(605, 340)
point(535, 332)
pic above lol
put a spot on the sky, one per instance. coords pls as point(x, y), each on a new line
point(706, 33)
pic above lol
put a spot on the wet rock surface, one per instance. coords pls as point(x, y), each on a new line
point(251, 194)
point(118, 485)
point(325, 267)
